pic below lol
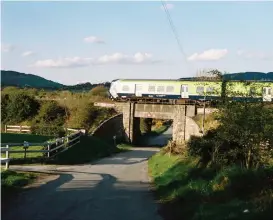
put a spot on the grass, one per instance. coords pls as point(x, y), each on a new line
point(124, 147)
point(188, 192)
point(20, 138)
point(89, 149)
point(12, 182)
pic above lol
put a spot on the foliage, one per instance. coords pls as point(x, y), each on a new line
point(15, 179)
point(99, 91)
point(18, 107)
point(50, 120)
point(244, 137)
point(207, 193)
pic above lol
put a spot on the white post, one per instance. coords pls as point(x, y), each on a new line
point(7, 157)
point(48, 148)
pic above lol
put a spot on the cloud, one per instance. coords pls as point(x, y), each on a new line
point(93, 39)
point(120, 58)
point(7, 47)
point(168, 6)
point(27, 53)
point(116, 58)
point(212, 54)
point(253, 55)
point(63, 62)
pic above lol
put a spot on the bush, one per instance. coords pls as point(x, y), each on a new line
point(50, 120)
point(19, 106)
point(244, 137)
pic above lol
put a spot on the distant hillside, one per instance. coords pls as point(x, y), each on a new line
point(13, 78)
point(260, 76)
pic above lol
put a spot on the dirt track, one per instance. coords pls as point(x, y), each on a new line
point(115, 188)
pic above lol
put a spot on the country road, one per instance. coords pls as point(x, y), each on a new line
point(114, 188)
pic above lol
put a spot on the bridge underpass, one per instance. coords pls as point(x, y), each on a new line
point(183, 125)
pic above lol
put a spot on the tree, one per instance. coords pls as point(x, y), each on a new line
point(21, 107)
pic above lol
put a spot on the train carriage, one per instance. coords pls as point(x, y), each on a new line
point(139, 89)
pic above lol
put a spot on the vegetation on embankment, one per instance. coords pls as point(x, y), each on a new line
point(50, 117)
point(226, 174)
point(187, 191)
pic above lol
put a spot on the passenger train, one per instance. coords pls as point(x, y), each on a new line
point(177, 90)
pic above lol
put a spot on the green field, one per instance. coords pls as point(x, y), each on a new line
point(188, 192)
point(20, 138)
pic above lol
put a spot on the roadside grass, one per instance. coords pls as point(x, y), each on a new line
point(89, 149)
point(123, 147)
point(12, 182)
point(188, 192)
point(20, 138)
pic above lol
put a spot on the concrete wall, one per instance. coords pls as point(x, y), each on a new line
point(109, 128)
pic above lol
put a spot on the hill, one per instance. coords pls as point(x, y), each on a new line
point(13, 78)
point(17, 79)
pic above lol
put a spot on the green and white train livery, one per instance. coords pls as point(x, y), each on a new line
point(123, 89)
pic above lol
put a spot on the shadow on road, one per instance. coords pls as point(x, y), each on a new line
point(82, 196)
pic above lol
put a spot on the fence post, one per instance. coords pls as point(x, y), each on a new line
point(5, 128)
point(7, 157)
point(67, 141)
point(48, 148)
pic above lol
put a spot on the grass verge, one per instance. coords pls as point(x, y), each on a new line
point(12, 182)
point(188, 192)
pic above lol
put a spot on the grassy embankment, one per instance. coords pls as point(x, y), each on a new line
point(188, 192)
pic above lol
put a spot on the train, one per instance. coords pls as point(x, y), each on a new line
point(176, 91)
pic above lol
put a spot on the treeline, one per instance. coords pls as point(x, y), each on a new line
point(48, 113)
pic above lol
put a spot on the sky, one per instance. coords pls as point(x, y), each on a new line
point(77, 42)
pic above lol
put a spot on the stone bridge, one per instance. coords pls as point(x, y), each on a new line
point(128, 123)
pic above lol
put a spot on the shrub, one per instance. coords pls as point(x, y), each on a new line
point(50, 120)
point(20, 107)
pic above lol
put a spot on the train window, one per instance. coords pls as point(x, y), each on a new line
point(269, 91)
point(151, 88)
point(200, 89)
point(264, 91)
point(160, 89)
point(169, 89)
point(125, 88)
point(210, 89)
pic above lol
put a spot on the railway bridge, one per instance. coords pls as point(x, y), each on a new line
point(128, 122)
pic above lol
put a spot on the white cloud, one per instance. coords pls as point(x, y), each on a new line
point(7, 47)
point(168, 6)
point(212, 54)
point(116, 58)
point(93, 39)
point(253, 55)
point(27, 53)
point(63, 62)
point(126, 59)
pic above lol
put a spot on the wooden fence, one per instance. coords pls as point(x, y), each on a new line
point(51, 149)
point(27, 129)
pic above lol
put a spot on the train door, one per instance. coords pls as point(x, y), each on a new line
point(138, 90)
point(184, 92)
point(267, 94)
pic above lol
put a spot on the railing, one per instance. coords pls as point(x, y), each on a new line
point(17, 128)
point(27, 129)
point(51, 149)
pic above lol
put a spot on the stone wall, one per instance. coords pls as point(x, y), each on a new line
point(110, 128)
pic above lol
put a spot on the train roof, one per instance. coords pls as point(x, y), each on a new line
point(190, 79)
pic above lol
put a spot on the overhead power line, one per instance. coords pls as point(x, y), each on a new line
point(174, 30)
